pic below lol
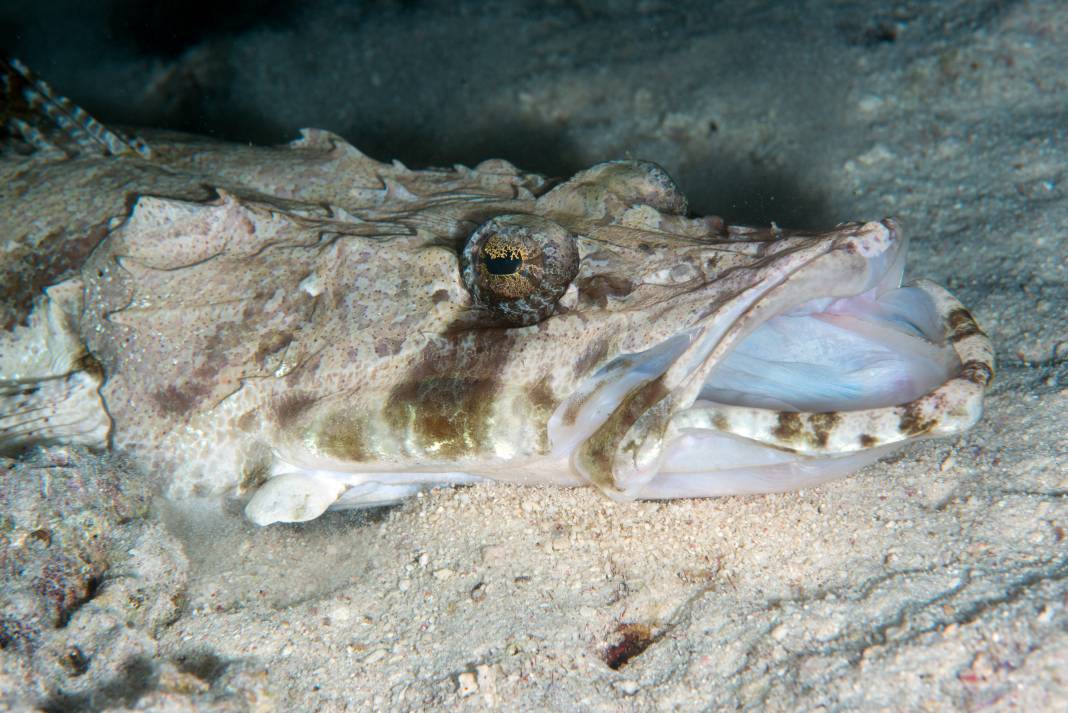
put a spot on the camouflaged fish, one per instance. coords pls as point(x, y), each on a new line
point(309, 328)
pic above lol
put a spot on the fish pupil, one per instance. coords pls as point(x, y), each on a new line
point(503, 265)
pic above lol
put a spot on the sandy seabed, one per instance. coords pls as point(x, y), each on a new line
point(937, 580)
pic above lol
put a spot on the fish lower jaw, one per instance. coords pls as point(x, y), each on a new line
point(683, 477)
point(778, 427)
point(806, 393)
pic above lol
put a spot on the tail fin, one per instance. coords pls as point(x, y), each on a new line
point(30, 111)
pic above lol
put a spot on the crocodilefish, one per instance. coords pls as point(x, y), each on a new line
point(307, 328)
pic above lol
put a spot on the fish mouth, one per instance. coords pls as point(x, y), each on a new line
point(825, 366)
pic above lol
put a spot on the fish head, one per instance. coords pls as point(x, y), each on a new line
point(599, 334)
point(325, 328)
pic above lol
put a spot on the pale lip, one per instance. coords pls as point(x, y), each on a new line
point(720, 429)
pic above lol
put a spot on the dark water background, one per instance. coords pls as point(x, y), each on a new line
point(744, 102)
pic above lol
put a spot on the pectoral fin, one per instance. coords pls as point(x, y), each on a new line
point(49, 384)
point(293, 497)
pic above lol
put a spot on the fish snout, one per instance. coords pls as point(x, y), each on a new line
point(872, 239)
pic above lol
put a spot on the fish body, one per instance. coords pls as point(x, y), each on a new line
point(308, 328)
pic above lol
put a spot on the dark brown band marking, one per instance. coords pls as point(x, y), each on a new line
point(913, 422)
point(449, 417)
point(542, 405)
point(822, 424)
point(446, 400)
point(791, 427)
point(342, 436)
point(977, 372)
point(289, 407)
point(599, 451)
point(597, 289)
point(962, 325)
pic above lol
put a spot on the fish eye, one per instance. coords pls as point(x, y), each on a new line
point(518, 266)
point(505, 264)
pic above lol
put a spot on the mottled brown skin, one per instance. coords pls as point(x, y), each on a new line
point(212, 346)
point(286, 316)
point(592, 355)
point(303, 319)
point(288, 408)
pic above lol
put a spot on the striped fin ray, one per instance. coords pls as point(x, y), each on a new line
point(32, 111)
